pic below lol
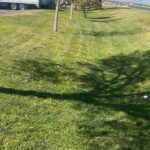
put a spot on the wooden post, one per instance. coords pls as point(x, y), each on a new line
point(71, 13)
point(56, 16)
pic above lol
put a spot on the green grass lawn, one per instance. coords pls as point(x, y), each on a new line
point(78, 89)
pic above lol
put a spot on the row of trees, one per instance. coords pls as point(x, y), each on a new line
point(84, 5)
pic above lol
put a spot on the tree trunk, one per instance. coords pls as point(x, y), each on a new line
point(84, 12)
point(75, 8)
point(56, 16)
point(100, 4)
point(71, 13)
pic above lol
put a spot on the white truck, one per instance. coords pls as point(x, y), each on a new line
point(24, 4)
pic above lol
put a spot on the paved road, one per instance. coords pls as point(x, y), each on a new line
point(138, 6)
point(6, 11)
point(131, 5)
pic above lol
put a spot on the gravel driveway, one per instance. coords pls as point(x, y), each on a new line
point(6, 11)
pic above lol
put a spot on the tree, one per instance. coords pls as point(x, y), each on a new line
point(56, 15)
point(87, 5)
point(100, 4)
point(97, 3)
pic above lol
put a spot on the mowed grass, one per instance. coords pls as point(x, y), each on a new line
point(79, 89)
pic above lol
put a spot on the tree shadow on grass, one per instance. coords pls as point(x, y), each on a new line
point(99, 18)
point(107, 33)
point(44, 69)
point(112, 33)
point(137, 30)
point(102, 19)
point(109, 20)
point(115, 86)
point(112, 90)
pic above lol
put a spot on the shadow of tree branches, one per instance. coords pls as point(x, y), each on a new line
point(114, 84)
point(99, 18)
point(111, 33)
point(103, 19)
point(44, 69)
point(100, 33)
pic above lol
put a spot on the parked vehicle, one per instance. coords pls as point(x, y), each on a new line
point(24, 4)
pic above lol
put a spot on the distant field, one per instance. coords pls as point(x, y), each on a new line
point(79, 89)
